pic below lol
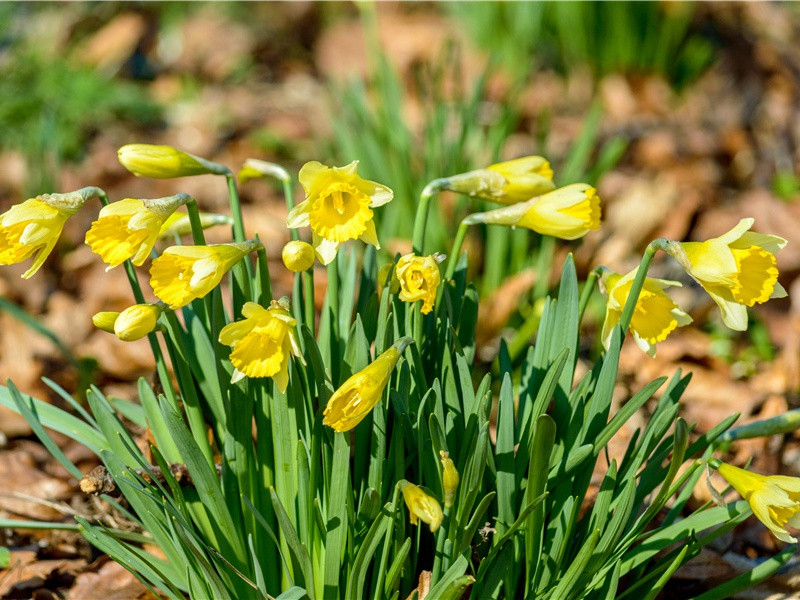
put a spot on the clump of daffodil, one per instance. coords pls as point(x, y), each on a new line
point(656, 315)
point(262, 342)
point(738, 269)
point(128, 229)
point(179, 224)
point(419, 277)
point(33, 227)
point(338, 207)
point(164, 162)
point(357, 396)
point(183, 273)
point(298, 256)
point(775, 499)
point(131, 324)
point(507, 182)
point(421, 506)
point(449, 479)
point(567, 213)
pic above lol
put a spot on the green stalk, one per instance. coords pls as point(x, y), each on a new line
point(588, 288)
point(638, 282)
point(333, 311)
point(441, 536)
point(421, 218)
point(452, 259)
point(544, 266)
point(387, 543)
point(265, 285)
point(236, 208)
point(198, 237)
point(308, 298)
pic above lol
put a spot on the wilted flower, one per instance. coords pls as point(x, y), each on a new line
point(262, 342)
point(567, 213)
point(507, 182)
point(164, 162)
point(656, 315)
point(34, 226)
point(449, 478)
point(129, 228)
point(421, 506)
point(775, 499)
point(419, 277)
point(737, 269)
point(357, 396)
point(298, 256)
point(338, 207)
point(183, 273)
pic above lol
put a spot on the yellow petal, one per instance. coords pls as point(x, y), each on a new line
point(757, 275)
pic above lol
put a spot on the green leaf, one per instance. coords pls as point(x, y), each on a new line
point(358, 572)
point(5, 557)
point(750, 579)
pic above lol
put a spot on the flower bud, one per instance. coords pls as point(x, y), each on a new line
point(298, 256)
point(449, 479)
point(164, 162)
point(105, 320)
point(507, 182)
point(137, 321)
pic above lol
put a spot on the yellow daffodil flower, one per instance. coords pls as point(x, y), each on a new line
point(419, 277)
point(449, 479)
point(164, 162)
point(298, 256)
point(357, 396)
point(338, 207)
point(737, 269)
point(421, 506)
point(262, 342)
point(183, 273)
point(567, 213)
point(128, 229)
point(33, 227)
point(775, 499)
point(507, 182)
point(105, 320)
point(137, 321)
point(178, 224)
point(655, 315)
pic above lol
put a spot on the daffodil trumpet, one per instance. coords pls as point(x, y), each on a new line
point(34, 226)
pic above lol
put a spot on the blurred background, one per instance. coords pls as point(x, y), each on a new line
point(686, 116)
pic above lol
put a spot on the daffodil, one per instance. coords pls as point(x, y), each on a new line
point(449, 478)
point(137, 321)
point(338, 207)
point(298, 256)
point(105, 320)
point(164, 162)
point(183, 273)
point(262, 342)
point(421, 506)
point(656, 315)
point(567, 213)
point(33, 227)
point(506, 182)
point(357, 396)
point(419, 277)
point(178, 224)
point(775, 499)
point(128, 229)
point(737, 269)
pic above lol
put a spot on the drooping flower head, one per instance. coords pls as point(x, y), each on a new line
point(183, 273)
point(357, 396)
point(298, 256)
point(738, 269)
point(178, 224)
point(506, 182)
point(567, 213)
point(262, 342)
point(164, 162)
point(130, 228)
point(419, 277)
point(450, 478)
point(421, 506)
point(338, 207)
point(33, 227)
point(775, 499)
point(656, 315)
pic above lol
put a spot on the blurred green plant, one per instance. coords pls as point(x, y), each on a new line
point(628, 37)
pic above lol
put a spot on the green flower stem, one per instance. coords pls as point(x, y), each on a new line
point(544, 265)
point(333, 312)
point(288, 194)
point(198, 237)
point(265, 285)
point(308, 298)
point(387, 543)
point(588, 288)
point(236, 208)
point(452, 259)
point(638, 282)
point(441, 536)
point(242, 273)
point(421, 218)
